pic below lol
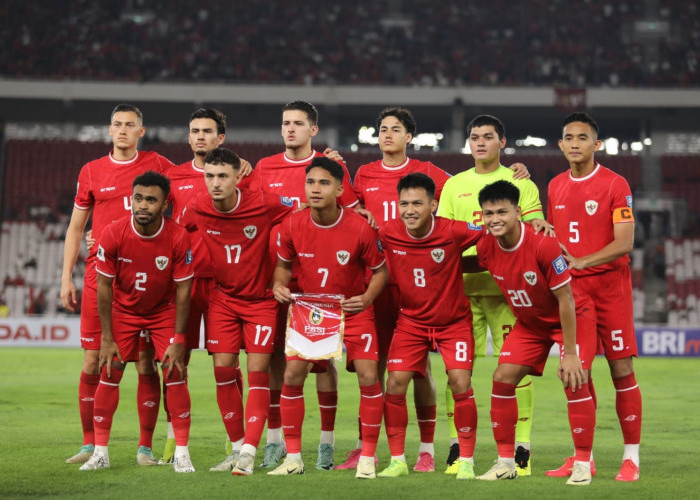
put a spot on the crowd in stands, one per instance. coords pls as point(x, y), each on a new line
point(404, 42)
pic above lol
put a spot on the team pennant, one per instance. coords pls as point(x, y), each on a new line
point(315, 325)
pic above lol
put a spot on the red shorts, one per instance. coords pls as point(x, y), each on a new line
point(131, 337)
point(386, 312)
point(412, 342)
point(612, 296)
point(360, 340)
point(199, 305)
point(233, 323)
point(90, 326)
point(530, 347)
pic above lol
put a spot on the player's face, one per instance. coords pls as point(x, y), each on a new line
point(126, 130)
point(221, 181)
point(322, 189)
point(485, 144)
point(393, 137)
point(203, 136)
point(148, 204)
point(415, 209)
point(501, 217)
point(579, 142)
point(297, 131)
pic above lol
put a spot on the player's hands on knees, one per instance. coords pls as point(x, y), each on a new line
point(520, 171)
point(367, 215)
point(355, 304)
point(282, 294)
point(89, 240)
point(174, 355)
point(571, 372)
point(69, 296)
point(332, 154)
point(108, 350)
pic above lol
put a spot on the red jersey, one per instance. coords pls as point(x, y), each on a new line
point(144, 268)
point(375, 185)
point(584, 211)
point(331, 259)
point(281, 175)
point(527, 274)
point(238, 240)
point(428, 270)
point(186, 182)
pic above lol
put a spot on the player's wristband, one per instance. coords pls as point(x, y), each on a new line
point(180, 338)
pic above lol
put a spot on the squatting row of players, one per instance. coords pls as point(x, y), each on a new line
point(416, 275)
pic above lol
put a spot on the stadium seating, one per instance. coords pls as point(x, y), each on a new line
point(683, 280)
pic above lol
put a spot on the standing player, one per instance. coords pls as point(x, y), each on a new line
point(104, 189)
point(425, 255)
point(284, 174)
point(144, 267)
point(531, 271)
point(489, 306)
point(235, 226)
point(591, 210)
point(375, 186)
point(333, 247)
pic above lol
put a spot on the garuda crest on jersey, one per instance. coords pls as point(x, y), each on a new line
point(250, 231)
point(591, 207)
point(438, 254)
point(343, 257)
point(162, 262)
point(530, 277)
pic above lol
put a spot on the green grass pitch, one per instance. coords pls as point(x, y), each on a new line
point(39, 429)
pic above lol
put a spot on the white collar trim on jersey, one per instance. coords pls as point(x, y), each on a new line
point(162, 225)
point(432, 227)
point(196, 168)
point(337, 221)
point(585, 178)
point(124, 162)
point(520, 241)
point(238, 202)
point(299, 162)
point(398, 167)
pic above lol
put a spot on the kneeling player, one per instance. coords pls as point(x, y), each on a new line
point(138, 259)
point(424, 253)
point(532, 273)
point(333, 247)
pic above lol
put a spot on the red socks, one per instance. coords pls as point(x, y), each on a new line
point(230, 401)
point(395, 420)
point(504, 416)
point(148, 404)
point(426, 416)
point(86, 402)
point(628, 402)
point(292, 409)
point(106, 401)
point(179, 407)
point(582, 421)
point(371, 411)
point(328, 405)
point(465, 422)
point(256, 406)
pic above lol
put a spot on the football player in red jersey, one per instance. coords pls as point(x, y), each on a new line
point(104, 191)
point(144, 277)
point(332, 247)
point(532, 273)
point(425, 256)
point(590, 207)
point(284, 174)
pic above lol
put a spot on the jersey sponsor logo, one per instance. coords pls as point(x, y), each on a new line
point(400, 252)
point(211, 341)
point(629, 200)
point(110, 188)
point(86, 339)
point(474, 227)
point(591, 207)
point(465, 195)
point(250, 232)
point(395, 361)
point(188, 257)
point(309, 255)
point(287, 201)
point(100, 253)
point(530, 277)
point(277, 184)
point(123, 259)
point(343, 257)
point(559, 207)
point(162, 262)
point(438, 254)
point(189, 186)
point(559, 264)
point(372, 189)
point(211, 231)
point(501, 278)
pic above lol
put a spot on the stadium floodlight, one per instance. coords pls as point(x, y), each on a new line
point(611, 146)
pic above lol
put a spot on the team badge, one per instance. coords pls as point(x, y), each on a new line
point(530, 277)
point(250, 231)
point(162, 262)
point(100, 253)
point(629, 200)
point(316, 316)
point(559, 264)
point(343, 257)
point(438, 254)
point(591, 207)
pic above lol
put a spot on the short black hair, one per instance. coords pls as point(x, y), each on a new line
point(153, 178)
point(223, 156)
point(306, 107)
point(498, 191)
point(484, 120)
point(583, 118)
point(417, 180)
point(333, 167)
point(212, 114)
point(401, 114)
point(122, 108)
